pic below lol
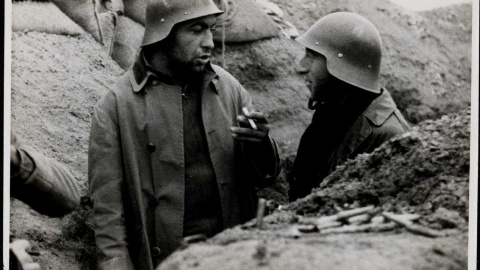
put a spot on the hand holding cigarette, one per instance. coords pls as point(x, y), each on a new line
point(253, 126)
point(250, 121)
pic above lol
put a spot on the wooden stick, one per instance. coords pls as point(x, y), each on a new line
point(345, 214)
point(112, 41)
point(354, 212)
point(360, 219)
point(98, 22)
point(408, 224)
point(262, 203)
point(361, 228)
point(327, 225)
point(417, 229)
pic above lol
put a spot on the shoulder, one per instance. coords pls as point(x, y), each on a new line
point(113, 99)
point(120, 90)
point(226, 83)
point(393, 125)
point(223, 74)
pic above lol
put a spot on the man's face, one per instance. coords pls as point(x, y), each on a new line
point(191, 44)
point(314, 67)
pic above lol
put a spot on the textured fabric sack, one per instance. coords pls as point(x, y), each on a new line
point(244, 21)
point(83, 13)
point(42, 17)
point(135, 9)
point(128, 38)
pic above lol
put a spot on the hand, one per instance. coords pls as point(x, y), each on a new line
point(20, 248)
point(246, 133)
point(14, 157)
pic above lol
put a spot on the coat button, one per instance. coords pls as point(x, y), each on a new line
point(151, 147)
point(154, 202)
point(155, 82)
point(156, 251)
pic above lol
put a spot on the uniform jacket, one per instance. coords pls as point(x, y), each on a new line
point(376, 125)
point(136, 165)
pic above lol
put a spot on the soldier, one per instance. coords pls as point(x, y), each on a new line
point(45, 185)
point(175, 148)
point(353, 113)
point(42, 183)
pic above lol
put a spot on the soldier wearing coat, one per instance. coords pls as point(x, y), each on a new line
point(172, 152)
point(42, 183)
point(353, 113)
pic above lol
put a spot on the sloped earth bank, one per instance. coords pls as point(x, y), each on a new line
point(423, 172)
point(57, 79)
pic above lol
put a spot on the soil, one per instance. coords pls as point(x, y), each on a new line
point(56, 80)
point(423, 172)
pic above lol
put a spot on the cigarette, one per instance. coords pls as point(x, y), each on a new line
point(250, 121)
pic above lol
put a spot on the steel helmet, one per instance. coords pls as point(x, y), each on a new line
point(352, 46)
point(162, 15)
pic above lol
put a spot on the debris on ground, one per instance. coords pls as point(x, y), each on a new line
point(425, 172)
point(57, 79)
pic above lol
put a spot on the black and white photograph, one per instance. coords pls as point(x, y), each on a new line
point(334, 134)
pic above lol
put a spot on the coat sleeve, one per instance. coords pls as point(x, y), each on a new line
point(106, 178)
point(264, 158)
point(44, 184)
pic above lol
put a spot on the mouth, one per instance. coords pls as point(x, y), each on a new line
point(205, 57)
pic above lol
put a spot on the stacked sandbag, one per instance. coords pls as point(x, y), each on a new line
point(244, 21)
point(42, 17)
point(84, 13)
point(127, 41)
point(135, 9)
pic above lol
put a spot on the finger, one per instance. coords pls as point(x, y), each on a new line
point(246, 123)
point(260, 126)
point(246, 139)
point(248, 132)
point(257, 116)
point(21, 243)
point(31, 266)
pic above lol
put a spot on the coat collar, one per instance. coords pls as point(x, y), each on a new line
point(141, 71)
point(380, 109)
point(377, 113)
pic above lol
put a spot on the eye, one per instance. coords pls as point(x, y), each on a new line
point(310, 54)
point(196, 28)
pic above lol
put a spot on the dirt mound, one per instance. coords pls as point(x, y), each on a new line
point(425, 171)
point(241, 250)
point(56, 80)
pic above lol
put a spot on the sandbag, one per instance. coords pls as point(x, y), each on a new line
point(127, 42)
point(83, 13)
point(245, 22)
point(42, 17)
point(135, 9)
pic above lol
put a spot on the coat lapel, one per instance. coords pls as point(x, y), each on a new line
point(352, 140)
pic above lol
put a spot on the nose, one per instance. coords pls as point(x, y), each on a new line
point(207, 41)
point(303, 66)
